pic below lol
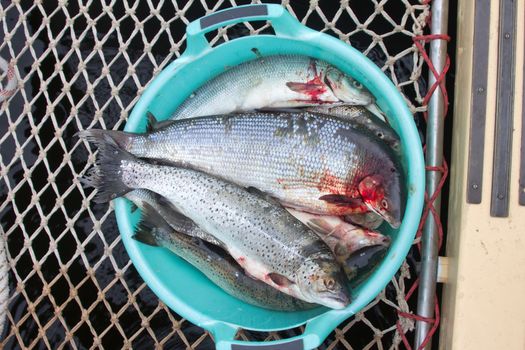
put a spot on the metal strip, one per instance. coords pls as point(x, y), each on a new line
point(478, 109)
point(521, 196)
point(499, 205)
point(233, 13)
point(293, 345)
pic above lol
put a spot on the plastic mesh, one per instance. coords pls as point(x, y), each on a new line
point(83, 64)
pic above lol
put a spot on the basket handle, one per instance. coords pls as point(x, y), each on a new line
point(283, 23)
point(316, 331)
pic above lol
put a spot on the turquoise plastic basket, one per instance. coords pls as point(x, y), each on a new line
point(183, 288)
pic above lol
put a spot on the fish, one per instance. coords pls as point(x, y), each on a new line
point(169, 213)
point(264, 239)
point(311, 162)
point(342, 237)
point(361, 263)
point(273, 81)
point(214, 262)
point(363, 117)
point(368, 220)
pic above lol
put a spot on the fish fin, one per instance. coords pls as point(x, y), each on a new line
point(155, 125)
point(305, 87)
point(151, 226)
point(152, 122)
point(146, 238)
point(341, 200)
point(374, 109)
point(320, 226)
point(175, 218)
point(165, 202)
point(105, 175)
point(133, 207)
point(101, 137)
point(263, 195)
point(280, 280)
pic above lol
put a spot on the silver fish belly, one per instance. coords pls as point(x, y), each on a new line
point(311, 162)
point(273, 81)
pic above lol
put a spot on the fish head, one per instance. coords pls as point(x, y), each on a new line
point(382, 195)
point(346, 88)
point(321, 281)
point(361, 237)
point(375, 238)
point(363, 260)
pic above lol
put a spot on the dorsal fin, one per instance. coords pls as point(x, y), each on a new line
point(154, 124)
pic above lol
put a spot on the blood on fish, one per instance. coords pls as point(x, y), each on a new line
point(371, 233)
point(315, 93)
point(371, 189)
point(333, 184)
point(317, 102)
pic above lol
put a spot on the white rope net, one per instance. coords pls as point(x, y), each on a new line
point(83, 64)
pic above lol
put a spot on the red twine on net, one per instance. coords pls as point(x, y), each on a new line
point(440, 83)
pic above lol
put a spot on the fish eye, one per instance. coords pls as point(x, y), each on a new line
point(329, 283)
point(380, 135)
point(357, 84)
point(384, 203)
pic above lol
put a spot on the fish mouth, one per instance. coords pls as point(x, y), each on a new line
point(385, 241)
point(394, 222)
point(344, 91)
point(349, 96)
point(391, 219)
point(337, 301)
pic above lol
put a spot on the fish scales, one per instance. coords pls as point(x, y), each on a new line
point(254, 231)
point(215, 263)
point(265, 82)
point(295, 157)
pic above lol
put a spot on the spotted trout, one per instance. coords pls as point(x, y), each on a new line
point(311, 162)
point(266, 240)
point(213, 262)
point(273, 81)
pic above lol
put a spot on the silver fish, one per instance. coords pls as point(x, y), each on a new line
point(363, 117)
point(215, 263)
point(273, 81)
point(266, 240)
point(311, 162)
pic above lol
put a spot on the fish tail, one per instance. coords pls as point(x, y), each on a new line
point(152, 227)
point(99, 136)
point(106, 176)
